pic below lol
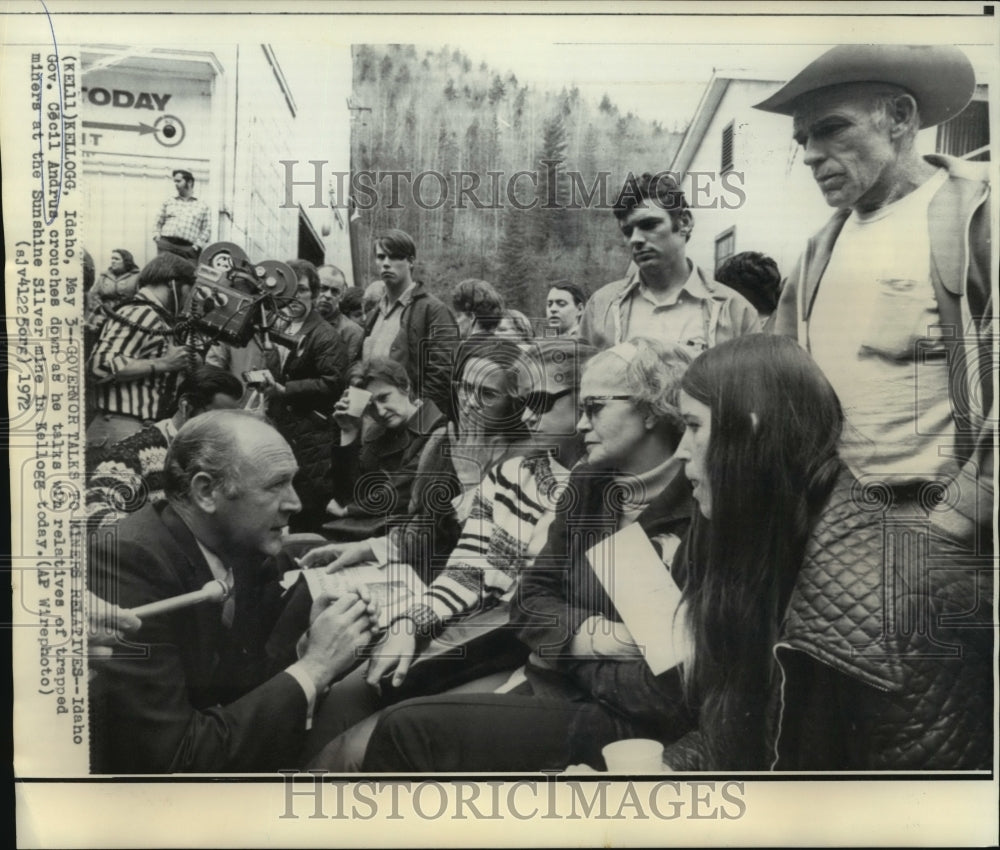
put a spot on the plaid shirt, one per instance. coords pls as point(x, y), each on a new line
point(121, 343)
point(185, 218)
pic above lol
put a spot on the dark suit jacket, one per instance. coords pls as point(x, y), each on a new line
point(189, 694)
point(314, 375)
point(315, 372)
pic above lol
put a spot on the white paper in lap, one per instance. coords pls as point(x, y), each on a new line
point(395, 587)
point(645, 594)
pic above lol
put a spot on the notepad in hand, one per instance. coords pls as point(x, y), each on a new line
point(645, 595)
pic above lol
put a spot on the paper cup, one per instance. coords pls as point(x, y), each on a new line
point(357, 401)
point(634, 756)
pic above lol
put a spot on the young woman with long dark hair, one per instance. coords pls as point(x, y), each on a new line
point(815, 646)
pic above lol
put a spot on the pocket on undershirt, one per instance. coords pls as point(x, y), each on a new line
point(899, 317)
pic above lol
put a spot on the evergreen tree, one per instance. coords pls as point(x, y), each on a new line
point(448, 115)
point(497, 91)
point(364, 58)
point(553, 196)
point(519, 104)
point(514, 274)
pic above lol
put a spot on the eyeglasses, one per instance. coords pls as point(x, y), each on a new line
point(594, 404)
point(541, 402)
point(484, 396)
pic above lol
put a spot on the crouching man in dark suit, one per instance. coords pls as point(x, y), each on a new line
point(211, 688)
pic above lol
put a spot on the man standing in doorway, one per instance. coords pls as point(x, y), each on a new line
point(184, 224)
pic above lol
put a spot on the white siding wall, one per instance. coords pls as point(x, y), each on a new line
point(127, 175)
point(239, 128)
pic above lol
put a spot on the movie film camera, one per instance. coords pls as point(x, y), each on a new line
point(234, 301)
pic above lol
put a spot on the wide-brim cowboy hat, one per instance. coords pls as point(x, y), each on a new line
point(940, 77)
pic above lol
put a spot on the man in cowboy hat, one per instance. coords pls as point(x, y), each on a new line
point(892, 296)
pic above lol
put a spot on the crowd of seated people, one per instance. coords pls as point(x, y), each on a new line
point(728, 465)
point(667, 522)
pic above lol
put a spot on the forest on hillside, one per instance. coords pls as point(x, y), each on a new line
point(417, 111)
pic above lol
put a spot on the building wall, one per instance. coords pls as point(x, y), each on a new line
point(780, 207)
point(239, 113)
point(126, 169)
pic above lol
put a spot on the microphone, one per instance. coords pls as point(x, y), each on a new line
point(214, 591)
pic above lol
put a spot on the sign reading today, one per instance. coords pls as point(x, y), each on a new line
point(140, 111)
point(123, 99)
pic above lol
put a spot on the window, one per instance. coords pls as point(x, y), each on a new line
point(727, 147)
point(967, 134)
point(725, 246)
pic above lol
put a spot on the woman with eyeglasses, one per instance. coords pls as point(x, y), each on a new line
point(487, 421)
point(816, 647)
point(505, 529)
point(586, 683)
point(507, 506)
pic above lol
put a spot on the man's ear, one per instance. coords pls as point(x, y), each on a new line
point(902, 114)
point(204, 492)
point(685, 222)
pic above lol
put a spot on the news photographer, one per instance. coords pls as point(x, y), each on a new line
point(301, 395)
point(136, 359)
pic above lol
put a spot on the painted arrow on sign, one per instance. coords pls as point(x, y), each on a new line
point(140, 128)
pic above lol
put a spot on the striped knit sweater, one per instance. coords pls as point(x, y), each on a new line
point(140, 334)
point(507, 508)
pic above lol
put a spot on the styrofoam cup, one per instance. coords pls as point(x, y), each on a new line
point(634, 755)
point(357, 401)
